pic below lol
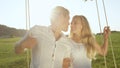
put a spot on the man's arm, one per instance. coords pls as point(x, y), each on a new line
point(28, 42)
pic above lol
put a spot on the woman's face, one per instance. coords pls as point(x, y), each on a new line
point(76, 25)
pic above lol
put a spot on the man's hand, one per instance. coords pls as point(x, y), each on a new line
point(28, 42)
point(66, 63)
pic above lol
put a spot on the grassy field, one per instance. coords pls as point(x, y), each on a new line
point(114, 41)
point(8, 59)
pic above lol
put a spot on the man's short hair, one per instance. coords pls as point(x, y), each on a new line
point(57, 11)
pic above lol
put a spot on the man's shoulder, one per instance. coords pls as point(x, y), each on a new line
point(39, 27)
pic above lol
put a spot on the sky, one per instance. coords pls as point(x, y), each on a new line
point(13, 12)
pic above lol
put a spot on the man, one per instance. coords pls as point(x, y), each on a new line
point(50, 48)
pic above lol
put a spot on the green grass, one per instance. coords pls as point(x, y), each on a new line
point(115, 43)
point(8, 59)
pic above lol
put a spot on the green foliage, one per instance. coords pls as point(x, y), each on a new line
point(6, 32)
point(8, 59)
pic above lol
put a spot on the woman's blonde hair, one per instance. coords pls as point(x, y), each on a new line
point(86, 36)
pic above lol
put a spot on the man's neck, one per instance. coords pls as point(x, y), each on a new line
point(56, 31)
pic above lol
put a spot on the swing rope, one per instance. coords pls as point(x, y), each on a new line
point(100, 30)
point(27, 14)
point(27, 28)
point(109, 36)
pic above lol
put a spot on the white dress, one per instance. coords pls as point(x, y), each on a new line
point(79, 56)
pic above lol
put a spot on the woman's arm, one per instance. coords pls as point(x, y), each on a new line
point(102, 50)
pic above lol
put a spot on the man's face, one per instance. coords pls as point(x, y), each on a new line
point(65, 23)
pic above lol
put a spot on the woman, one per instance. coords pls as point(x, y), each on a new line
point(84, 44)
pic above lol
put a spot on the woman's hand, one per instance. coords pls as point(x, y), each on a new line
point(106, 32)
